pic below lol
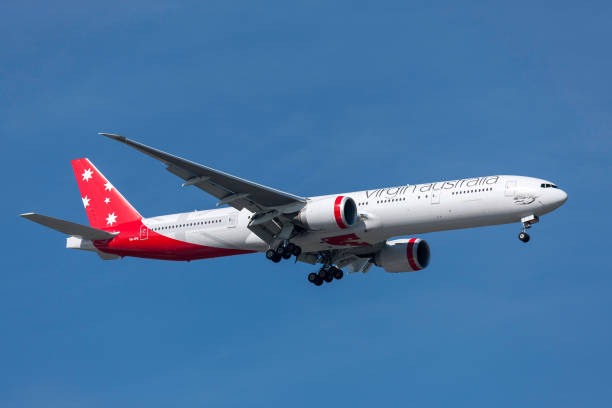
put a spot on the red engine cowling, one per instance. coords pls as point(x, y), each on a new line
point(329, 214)
point(404, 255)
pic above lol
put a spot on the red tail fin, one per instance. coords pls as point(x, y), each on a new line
point(105, 206)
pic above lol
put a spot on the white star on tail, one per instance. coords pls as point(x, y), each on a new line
point(87, 174)
point(111, 219)
point(108, 186)
point(106, 200)
point(85, 201)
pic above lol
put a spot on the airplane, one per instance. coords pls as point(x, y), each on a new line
point(348, 230)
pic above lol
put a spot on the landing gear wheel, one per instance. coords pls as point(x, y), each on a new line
point(326, 274)
point(270, 253)
point(523, 236)
point(315, 279)
point(280, 250)
point(289, 247)
point(277, 258)
point(296, 250)
point(286, 255)
point(335, 272)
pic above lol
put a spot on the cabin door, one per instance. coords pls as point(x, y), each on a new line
point(144, 233)
point(510, 188)
point(435, 197)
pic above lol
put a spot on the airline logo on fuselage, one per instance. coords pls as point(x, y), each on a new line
point(423, 188)
point(345, 240)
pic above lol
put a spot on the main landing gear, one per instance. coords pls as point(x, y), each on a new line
point(527, 223)
point(283, 251)
point(327, 273)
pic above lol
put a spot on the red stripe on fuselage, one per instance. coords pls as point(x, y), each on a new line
point(410, 255)
point(130, 242)
point(338, 212)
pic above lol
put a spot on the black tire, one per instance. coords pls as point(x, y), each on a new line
point(270, 254)
point(289, 247)
point(280, 250)
point(277, 258)
point(338, 274)
point(319, 281)
point(286, 255)
point(312, 277)
point(296, 250)
point(322, 273)
point(523, 236)
point(328, 277)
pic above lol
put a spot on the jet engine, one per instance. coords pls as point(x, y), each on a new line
point(329, 213)
point(403, 255)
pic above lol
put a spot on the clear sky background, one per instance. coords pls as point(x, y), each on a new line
point(312, 97)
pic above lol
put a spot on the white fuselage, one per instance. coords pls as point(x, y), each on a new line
point(384, 213)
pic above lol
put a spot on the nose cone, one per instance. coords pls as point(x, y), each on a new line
point(562, 197)
point(556, 198)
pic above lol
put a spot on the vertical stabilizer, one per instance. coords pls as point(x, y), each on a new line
point(105, 206)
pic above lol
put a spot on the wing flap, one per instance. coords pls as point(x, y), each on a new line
point(69, 228)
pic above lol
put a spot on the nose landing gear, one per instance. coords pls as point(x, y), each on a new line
point(527, 223)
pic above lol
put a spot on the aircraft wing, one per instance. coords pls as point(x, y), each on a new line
point(69, 228)
point(268, 204)
point(232, 190)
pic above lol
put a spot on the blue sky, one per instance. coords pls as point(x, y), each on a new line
point(312, 98)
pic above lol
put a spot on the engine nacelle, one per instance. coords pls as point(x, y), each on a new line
point(329, 213)
point(403, 255)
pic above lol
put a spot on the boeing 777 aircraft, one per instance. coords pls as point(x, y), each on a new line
point(348, 230)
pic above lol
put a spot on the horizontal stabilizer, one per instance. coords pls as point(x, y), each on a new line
point(70, 228)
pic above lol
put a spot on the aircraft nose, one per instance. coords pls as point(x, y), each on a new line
point(557, 198)
point(562, 197)
point(552, 198)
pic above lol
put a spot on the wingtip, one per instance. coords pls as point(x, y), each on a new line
point(26, 215)
point(113, 136)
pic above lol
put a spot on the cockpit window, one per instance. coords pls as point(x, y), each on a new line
point(548, 186)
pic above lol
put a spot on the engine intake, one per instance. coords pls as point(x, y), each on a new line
point(329, 213)
point(404, 255)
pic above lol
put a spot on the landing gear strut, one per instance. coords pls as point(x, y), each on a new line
point(527, 223)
